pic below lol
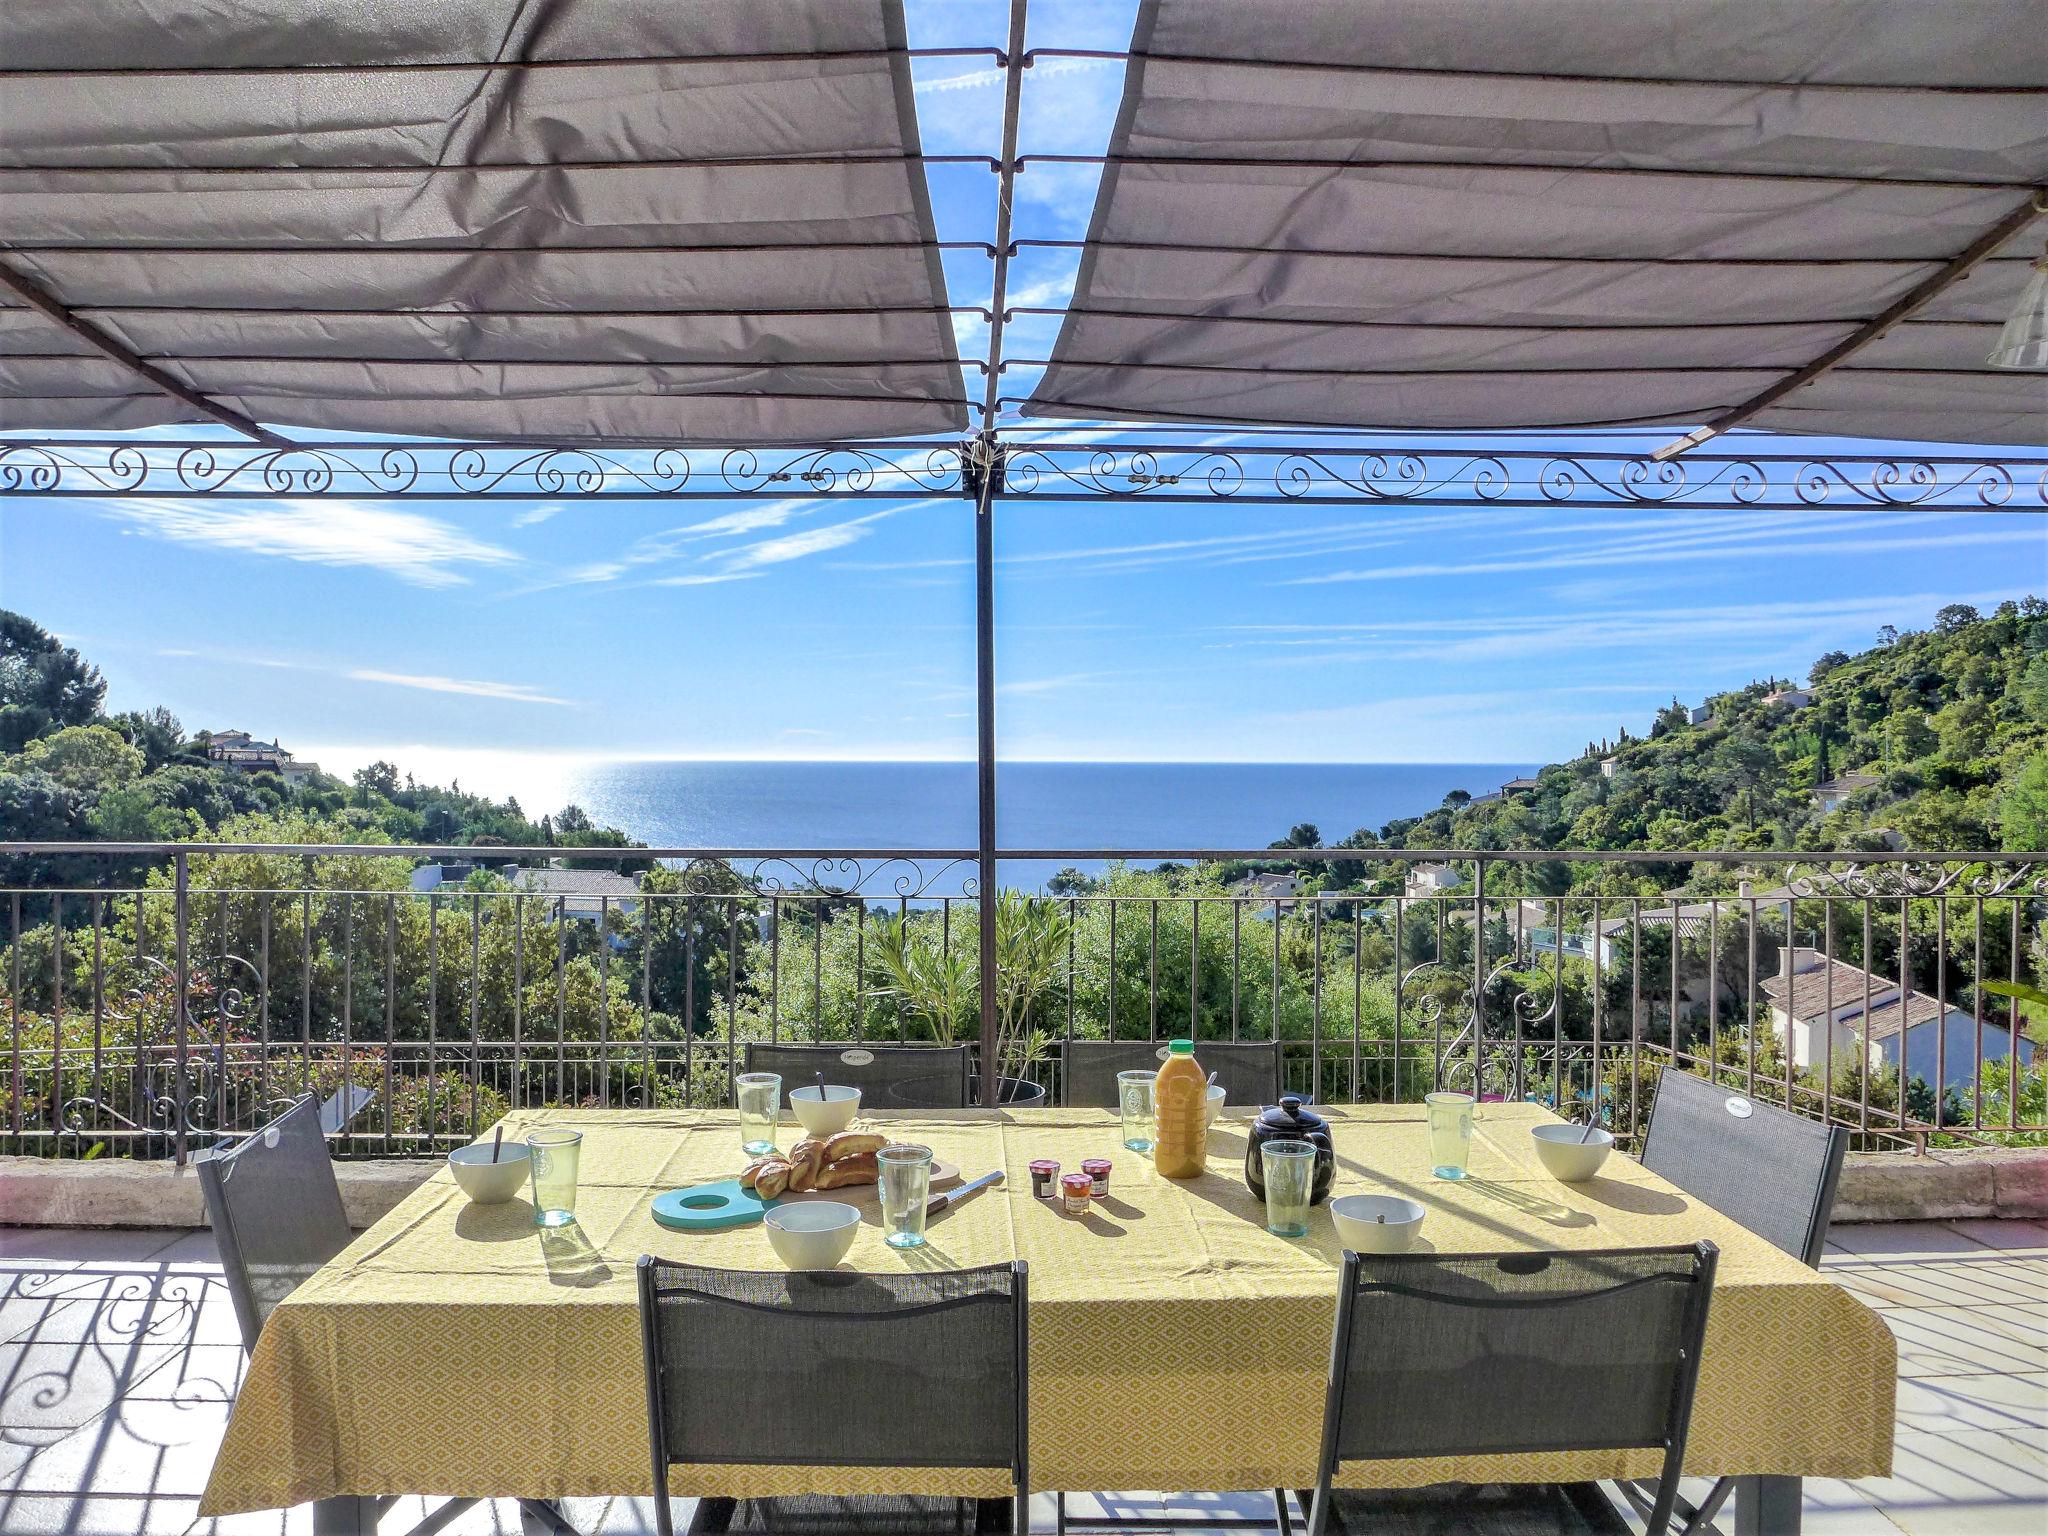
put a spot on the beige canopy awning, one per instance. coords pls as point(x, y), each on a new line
point(1574, 213)
point(618, 220)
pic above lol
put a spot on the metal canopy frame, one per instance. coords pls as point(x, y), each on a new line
point(1239, 463)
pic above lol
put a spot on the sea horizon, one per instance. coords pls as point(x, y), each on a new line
point(866, 803)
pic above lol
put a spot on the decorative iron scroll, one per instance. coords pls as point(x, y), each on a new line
point(1521, 478)
point(454, 470)
point(846, 875)
point(1402, 474)
point(1900, 879)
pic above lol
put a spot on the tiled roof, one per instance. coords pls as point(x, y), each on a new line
point(1840, 984)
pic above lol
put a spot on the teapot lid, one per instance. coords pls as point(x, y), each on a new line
point(1290, 1117)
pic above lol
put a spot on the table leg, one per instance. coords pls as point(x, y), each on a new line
point(1767, 1506)
point(345, 1517)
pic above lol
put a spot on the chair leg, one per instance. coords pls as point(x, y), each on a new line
point(1280, 1519)
point(1059, 1514)
point(344, 1517)
point(712, 1516)
point(1767, 1506)
point(548, 1515)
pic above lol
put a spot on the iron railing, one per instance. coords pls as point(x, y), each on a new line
point(159, 995)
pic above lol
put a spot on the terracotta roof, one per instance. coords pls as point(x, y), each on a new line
point(1842, 984)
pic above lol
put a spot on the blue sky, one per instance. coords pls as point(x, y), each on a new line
point(436, 631)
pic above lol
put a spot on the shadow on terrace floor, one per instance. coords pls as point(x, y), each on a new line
point(119, 1359)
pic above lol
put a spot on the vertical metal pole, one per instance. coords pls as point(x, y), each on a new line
point(987, 483)
point(182, 919)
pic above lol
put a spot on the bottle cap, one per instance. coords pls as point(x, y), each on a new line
point(1181, 1047)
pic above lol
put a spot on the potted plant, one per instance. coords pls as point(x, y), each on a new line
point(938, 986)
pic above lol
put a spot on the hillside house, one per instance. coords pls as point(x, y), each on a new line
point(1823, 1008)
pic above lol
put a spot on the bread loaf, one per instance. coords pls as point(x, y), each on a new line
point(771, 1179)
point(752, 1172)
point(806, 1159)
point(852, 1144)
point(857, 1169)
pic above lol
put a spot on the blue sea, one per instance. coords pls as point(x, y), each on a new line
point(1137, 806)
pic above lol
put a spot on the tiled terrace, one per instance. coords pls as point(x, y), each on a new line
point(118, 1361)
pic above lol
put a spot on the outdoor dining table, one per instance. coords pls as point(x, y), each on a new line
point(453, 1349)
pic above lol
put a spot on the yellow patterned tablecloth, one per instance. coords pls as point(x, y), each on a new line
point(453, 1350)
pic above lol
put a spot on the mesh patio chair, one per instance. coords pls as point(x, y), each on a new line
point(888, 1076)
point(826, 1368)
point(1470, 1355)
point(277, 1216)
point(1767, 1168)
point(1247, 1070)
point(1764, 1167)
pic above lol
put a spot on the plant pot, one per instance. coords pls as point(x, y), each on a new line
point(1015, 1093)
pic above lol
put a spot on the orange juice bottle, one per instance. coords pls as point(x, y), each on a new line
point(1180, 1105)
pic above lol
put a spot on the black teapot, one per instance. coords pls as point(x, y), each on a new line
point(1291, 1120)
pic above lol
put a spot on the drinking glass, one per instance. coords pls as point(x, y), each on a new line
point(1450, 1133)
point(1290, 1173)
point(553, 1156)
point(760, 1097)
point(906, 1179)
point(1134, 1099)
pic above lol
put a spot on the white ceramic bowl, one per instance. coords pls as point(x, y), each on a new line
point(486, 1182)
point(1376, 1223)
point(826, 1116)
point(811, 1234)
point(1217, 1094)
point(1565, 1156)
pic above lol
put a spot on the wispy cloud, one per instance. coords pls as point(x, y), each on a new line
point(420, 550)
point(517, 693)
point(539, 514)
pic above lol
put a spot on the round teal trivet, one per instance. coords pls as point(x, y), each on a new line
point(706, 1207)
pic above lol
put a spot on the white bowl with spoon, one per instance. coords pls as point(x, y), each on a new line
point(490, 1173)
point(826, 1109)
point(1571, 1154)
point(1376, 1223)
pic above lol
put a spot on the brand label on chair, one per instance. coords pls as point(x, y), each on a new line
point(857, 1058)
point(1738, 1107)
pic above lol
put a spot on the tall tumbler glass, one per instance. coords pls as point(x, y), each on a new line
point(1450, 1134)
point(552, 1157)
point(760, 1099)
point(905, 1172)
point(1134, 1101)
point(1290, 1173)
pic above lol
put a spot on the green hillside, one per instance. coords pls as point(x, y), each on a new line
point(1946, 731)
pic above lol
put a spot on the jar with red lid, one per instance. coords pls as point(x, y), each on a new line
point(1097, 1169)
point(1075, 1190)
point(1045, 1178)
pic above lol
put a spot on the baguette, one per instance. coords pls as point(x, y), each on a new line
point(853, 1144)
point(857, 1169)
point(806, 1159)
point(771, 1179)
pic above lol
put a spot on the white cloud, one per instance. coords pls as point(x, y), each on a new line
point(415, 549)
point(539, 514)
point(517, 693)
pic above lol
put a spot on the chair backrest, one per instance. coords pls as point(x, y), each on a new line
point(1773, 1171)
point(276, 1211)
point(829, 1368)
point(1473, 1354)
point(1247, 1070)
point(888, 1076)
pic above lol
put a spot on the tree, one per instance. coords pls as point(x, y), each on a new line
point(1827, 664)
point(1954, 616)
point(89, 758)
point(2033, 689)
point(1887, 634)
point(572, 818)
point(378, 778)
point(44, 684)
point(2023, 814)
point(155, 733)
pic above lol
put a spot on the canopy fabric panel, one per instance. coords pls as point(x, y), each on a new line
point(1561, 213)
point(618, 220)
